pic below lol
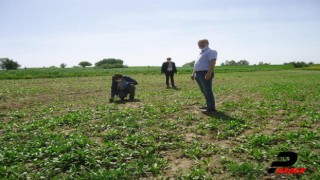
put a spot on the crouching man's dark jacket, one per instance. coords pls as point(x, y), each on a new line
point(114, 86)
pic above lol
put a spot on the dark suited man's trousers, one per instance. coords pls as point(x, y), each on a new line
point(169, 74)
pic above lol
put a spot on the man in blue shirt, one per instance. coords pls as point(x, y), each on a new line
point(122, 86)
point(203, 73)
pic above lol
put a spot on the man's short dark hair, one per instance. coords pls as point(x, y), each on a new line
point(117, 76)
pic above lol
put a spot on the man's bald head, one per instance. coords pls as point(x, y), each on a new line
point(202, 43)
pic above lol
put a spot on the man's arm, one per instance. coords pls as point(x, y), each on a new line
point(212, 57)
point(163, 68)
point(113, 91)
point(130, 80)
point(174, 68)
point(211, 69)
point(192, 75)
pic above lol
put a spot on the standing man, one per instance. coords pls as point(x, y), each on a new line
point(169, 68)
point(203, 72)
point(122, 86)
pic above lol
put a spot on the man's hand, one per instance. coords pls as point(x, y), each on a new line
point(208, 75)
point(111, 100)
point(192, 76)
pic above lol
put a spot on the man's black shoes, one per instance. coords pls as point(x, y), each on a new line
point(209, 111)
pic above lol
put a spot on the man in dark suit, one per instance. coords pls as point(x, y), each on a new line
point(122, 86)
point(169, 68)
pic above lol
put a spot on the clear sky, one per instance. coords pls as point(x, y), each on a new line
point(39, 33)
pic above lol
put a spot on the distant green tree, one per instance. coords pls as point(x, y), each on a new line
point(63, 65)
point(298, 64)
point(190, 64)
point(262, 63)
point(110, 63)
point(8, 64)
point(234, 63)
point(230, 63)
point(243, 63)
point(84, 64)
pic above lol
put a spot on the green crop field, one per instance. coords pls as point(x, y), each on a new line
point(65, 128)
point(31, 73)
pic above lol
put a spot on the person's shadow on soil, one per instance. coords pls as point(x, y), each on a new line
point(220, 115)
point(175, 88)
point(126, 101)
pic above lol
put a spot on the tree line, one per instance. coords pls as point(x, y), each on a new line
point(226, 63)
point(295, 64)
point(299, 64)
point(9, 64)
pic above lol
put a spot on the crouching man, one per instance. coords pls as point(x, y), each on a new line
point(122, 86)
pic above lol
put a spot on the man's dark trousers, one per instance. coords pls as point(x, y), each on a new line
point(131, 89)
point(169, 74)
